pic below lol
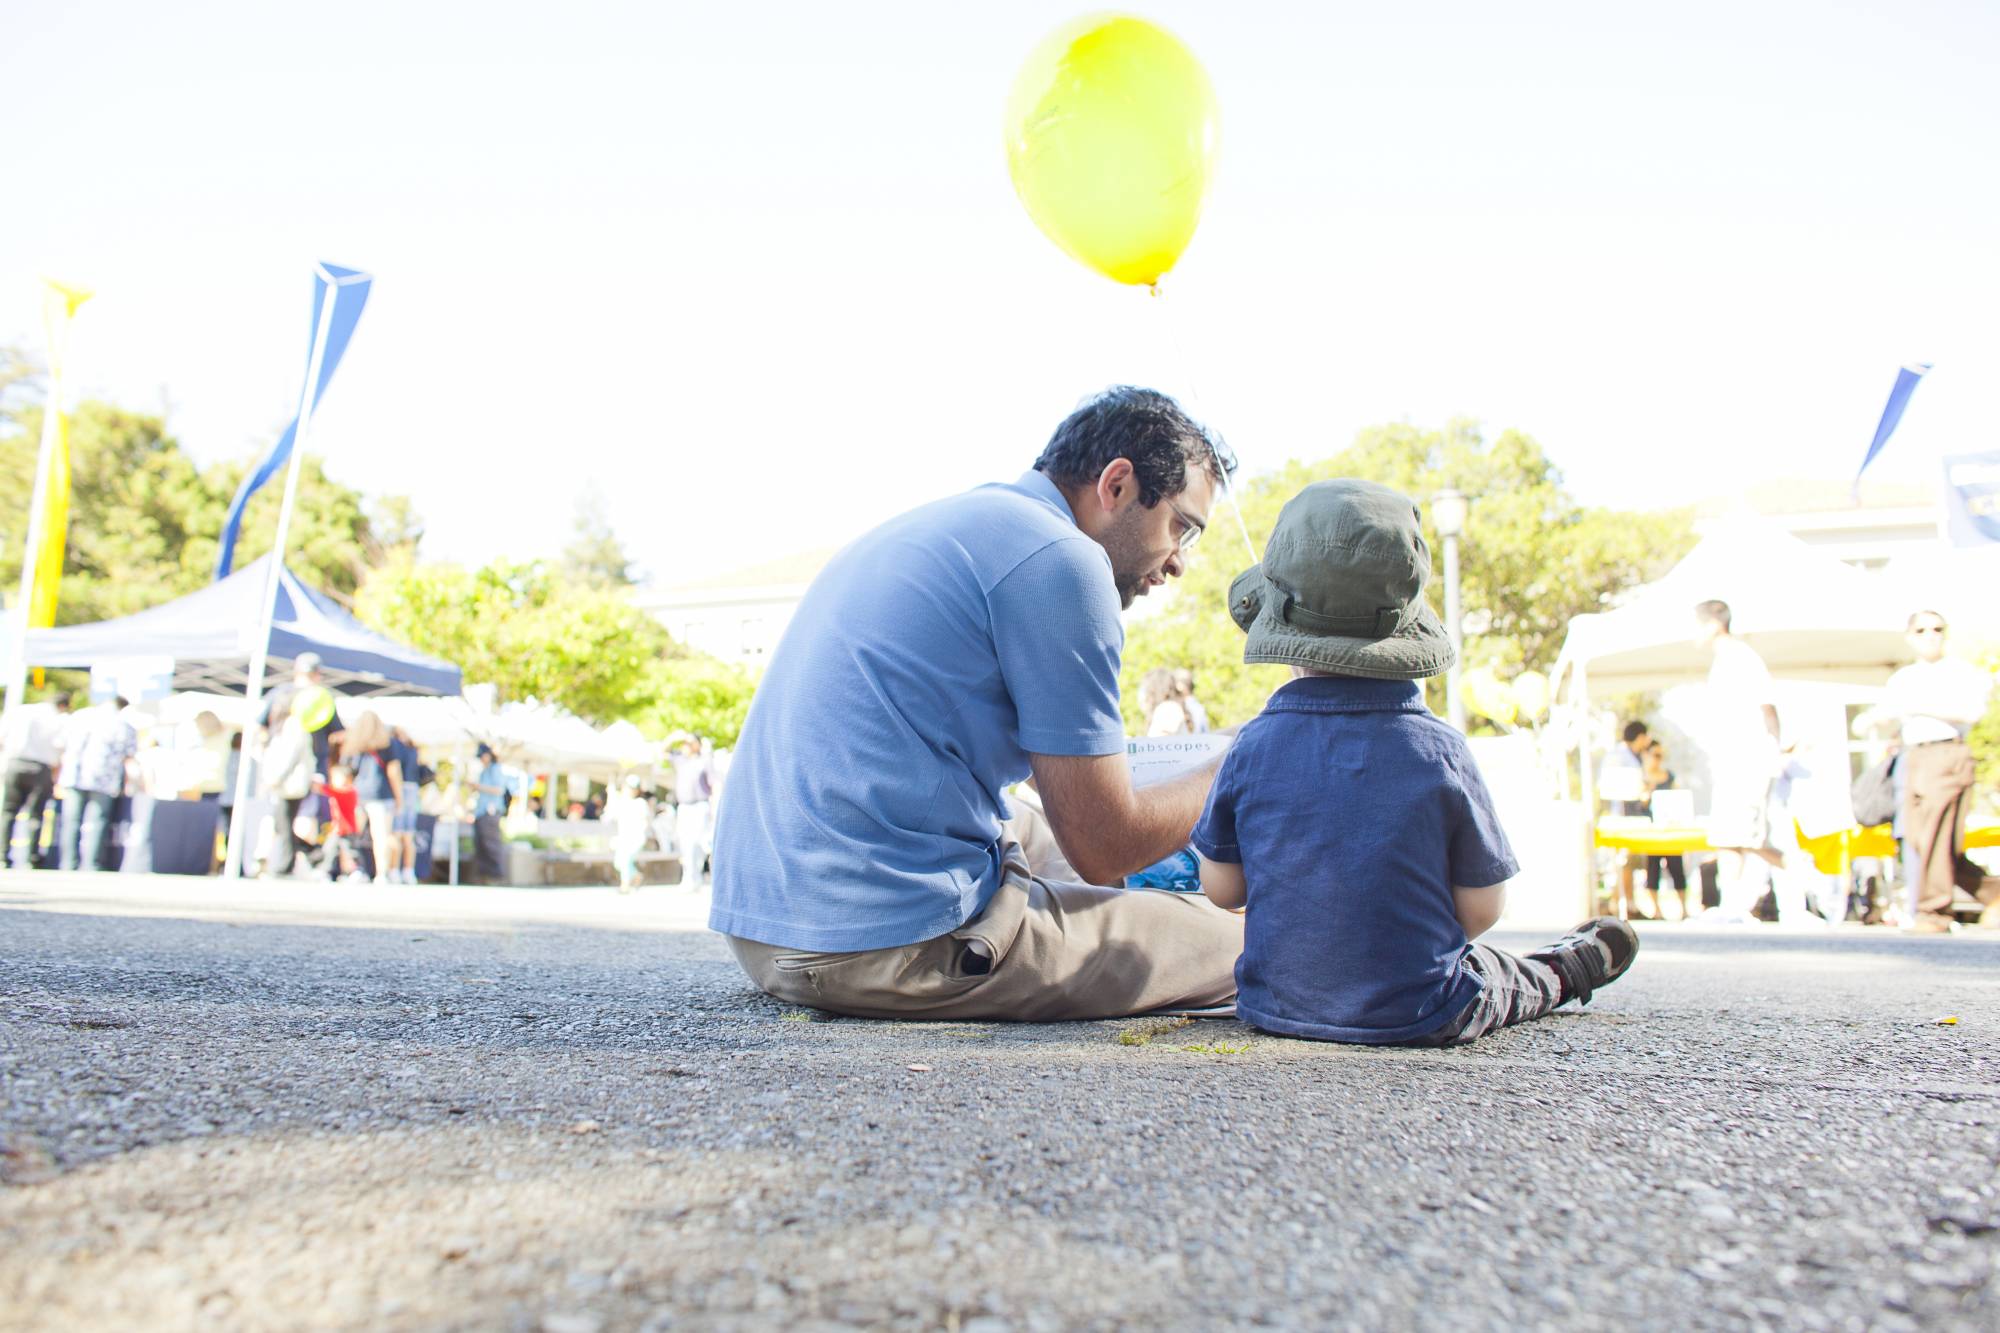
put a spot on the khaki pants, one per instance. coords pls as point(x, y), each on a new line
point(1041, 950)
point(1937, 792)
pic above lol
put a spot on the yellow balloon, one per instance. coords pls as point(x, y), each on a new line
point(1111, 132)
point(313, 707)
point(1531, 690)
point(1487, 695)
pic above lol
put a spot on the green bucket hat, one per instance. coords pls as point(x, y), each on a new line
point(1341, 587)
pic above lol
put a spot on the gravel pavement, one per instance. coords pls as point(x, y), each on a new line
point(283, 1107)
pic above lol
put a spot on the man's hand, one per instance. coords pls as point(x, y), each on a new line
point(1105, 828)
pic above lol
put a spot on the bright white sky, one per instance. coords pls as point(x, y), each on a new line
point(757, 271)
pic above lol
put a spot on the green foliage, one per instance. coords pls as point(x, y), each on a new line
point(594, 554)
point(698, 694)
point(537, 632)
point(1531, 557)
point(526, 628)
point(144, 521)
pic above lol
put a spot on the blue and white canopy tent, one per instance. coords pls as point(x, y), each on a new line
point(211, 635)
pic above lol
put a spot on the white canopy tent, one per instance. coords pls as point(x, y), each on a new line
point(1809, 616)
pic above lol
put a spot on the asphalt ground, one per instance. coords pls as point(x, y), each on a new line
point(282, 1107)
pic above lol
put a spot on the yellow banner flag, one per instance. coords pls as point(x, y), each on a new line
point(59, 305)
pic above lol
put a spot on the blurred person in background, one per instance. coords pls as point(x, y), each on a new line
point(403, 752)
point(1933, 703)
point(631, 818)
point(211, 769)
point(378, 783)
point(1160, 705)
point(98, 764)
point(489, 807)
point(31, 747)
point(1745, 754)
point(1660, 778)
point(1197, 715)
point(694, 790)
point(1622, 783)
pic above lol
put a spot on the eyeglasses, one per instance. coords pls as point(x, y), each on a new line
point(1191, 530)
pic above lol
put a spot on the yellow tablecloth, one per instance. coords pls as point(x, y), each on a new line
point(1831, 854)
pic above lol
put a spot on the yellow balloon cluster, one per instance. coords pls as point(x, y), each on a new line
point(1111, 134)
point(1524, 699)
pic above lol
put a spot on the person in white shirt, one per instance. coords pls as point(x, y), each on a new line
point(1744, 756)
point(1934, 702)
point(31, 745)
point(631, 818)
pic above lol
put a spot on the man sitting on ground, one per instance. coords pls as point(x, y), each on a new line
point(860, 862)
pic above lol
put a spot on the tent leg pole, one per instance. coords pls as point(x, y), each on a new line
point(457, 804)
point(1587, 789)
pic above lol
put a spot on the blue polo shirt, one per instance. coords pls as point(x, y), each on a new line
point(926, 663)
point(1353, 810)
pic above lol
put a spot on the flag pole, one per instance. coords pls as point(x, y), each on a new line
point(56, 328)
point(232, 860)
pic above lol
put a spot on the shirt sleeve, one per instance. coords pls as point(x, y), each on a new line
point(1480, 854)
point(1215, 833)
point(1056, 631)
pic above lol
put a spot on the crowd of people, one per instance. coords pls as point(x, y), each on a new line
point(326, 800)
point(677, 816)
point(1926, 714)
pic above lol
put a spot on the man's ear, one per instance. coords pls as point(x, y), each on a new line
point(1116, 485)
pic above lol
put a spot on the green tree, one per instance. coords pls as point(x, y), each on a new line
point(144, 522)
point(529, 630)
point(1531, 557)
point(698, 694)
point(594, 554)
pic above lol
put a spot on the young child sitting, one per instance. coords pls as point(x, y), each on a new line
point(1350, 823)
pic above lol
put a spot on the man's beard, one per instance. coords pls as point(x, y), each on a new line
point(1127, 549)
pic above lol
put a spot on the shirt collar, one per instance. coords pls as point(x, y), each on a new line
point(1347, 694)
point(1037, 486)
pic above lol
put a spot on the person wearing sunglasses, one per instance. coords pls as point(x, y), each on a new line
point(864, 864)
point(1933, 703)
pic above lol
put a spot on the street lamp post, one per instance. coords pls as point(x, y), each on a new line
point(1450, 508)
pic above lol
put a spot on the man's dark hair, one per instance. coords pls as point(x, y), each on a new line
point(1713, 611)
point(1633, 731)
point(1143, 426)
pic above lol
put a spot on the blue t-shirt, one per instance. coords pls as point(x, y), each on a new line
point(492, 802)
point(371, 775)
point(405, 755)
point(1353, 811)
point(925, 664)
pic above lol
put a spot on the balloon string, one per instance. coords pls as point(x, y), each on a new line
point(1194, 401)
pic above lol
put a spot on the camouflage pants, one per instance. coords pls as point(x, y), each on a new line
point(1518, 990)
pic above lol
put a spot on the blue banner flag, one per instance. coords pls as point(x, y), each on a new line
point(1972, 499)
point(347, 290)
point(1892, 412)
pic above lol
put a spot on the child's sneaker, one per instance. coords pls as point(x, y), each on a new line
point(1595, 954)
